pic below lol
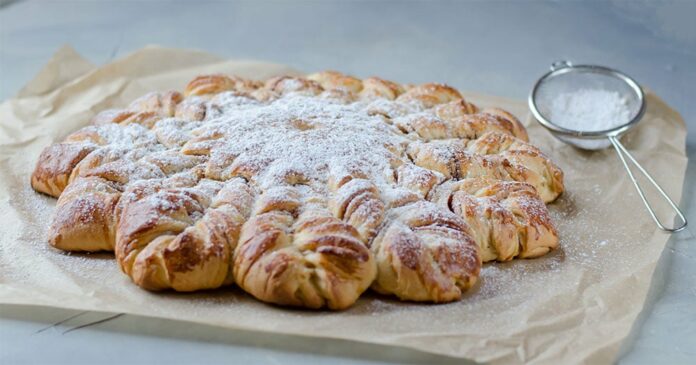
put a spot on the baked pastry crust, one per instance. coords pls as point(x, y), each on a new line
point(303, 191)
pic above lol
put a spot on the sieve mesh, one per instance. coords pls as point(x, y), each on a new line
point(574, 78)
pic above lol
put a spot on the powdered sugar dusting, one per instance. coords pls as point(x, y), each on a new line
point(304, 138)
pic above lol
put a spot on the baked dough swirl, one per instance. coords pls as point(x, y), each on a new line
point(304, 191)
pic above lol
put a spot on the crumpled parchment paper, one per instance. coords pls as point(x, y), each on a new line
point(574, 305)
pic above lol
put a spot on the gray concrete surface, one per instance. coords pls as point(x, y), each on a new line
point(494, 47)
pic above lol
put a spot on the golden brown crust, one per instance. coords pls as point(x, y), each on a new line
point(332, 80)
point(162, 244)
point(162, 104)
point(55, 164)
point(494, 155)
point(213, 84)
point(85, 218)
point(197, 258)
point(468, 126)
point(111, 116)
point(374, 87)
point(313, 261)
point(158, 183)
point(517, 128)
point(430, 95)
point(282, 85)
point(425, 253)
point(508, 218)
point(145, 110)
point(531, 164)
point(357, 202)
point(455, 109)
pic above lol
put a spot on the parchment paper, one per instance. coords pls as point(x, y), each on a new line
point(574, 305)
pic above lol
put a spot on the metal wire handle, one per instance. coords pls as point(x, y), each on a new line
point(621, 151)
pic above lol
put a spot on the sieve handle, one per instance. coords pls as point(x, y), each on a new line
point(623, 153)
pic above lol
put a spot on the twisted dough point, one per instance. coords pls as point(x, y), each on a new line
point(146, 110)
point(163, 104)
point(54, 168)
point(451, 159)
point(455, 109)
point(494, 155)
point(283, 85)
point(459, 119)
point(357, 203)
point(418, 179)
point(518, 130)
point(332, 80)
point(425, 253)
point(468, 126)
point(374, 88)
point(85, 216)
point(161, 244)
point(532, 165)
point(314, 260)
point(87, 212)
point(508, 219)
point(349, 87)
point(430, 95)
point(55, 164)
point(214, 84)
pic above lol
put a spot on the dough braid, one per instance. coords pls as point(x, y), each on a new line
point(304, 191)
point(294, 252)
point(425, 253)
point(507, 218)
point(188, 242)
point(495, 155)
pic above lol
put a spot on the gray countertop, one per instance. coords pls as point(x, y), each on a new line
point(498, 48)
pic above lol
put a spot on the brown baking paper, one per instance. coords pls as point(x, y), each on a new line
point(574, 305)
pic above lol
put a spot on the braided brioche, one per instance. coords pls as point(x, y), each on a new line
point(425, 253)
point(312, 260)
point(508, 218)
point(303, 191)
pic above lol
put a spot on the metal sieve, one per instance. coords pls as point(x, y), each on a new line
point(565, 77)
